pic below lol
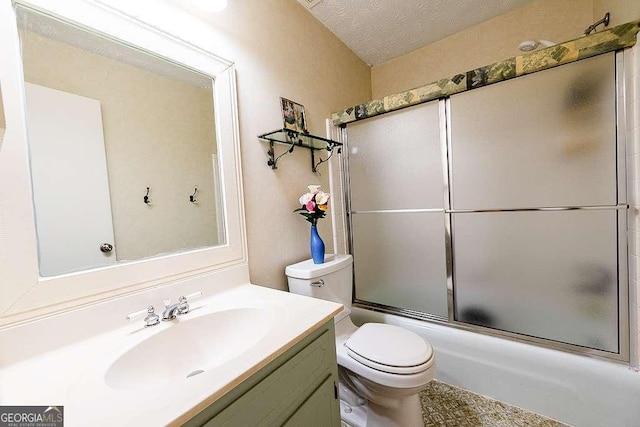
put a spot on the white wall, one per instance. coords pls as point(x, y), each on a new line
point(624, 11)
point(633, 194)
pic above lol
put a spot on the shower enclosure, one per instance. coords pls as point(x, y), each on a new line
point(501, 209)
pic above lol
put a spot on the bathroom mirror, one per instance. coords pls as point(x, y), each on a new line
point(196, 145)
point(122, 148)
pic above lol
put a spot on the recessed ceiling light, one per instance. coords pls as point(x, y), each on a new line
point(211, 5)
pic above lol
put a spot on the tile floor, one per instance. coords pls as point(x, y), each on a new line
point(444, 405)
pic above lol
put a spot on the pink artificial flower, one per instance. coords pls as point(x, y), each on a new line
point(311, 206)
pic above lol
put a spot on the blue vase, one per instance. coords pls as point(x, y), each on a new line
point(317, 246)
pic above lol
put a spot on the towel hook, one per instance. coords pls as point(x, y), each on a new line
point(146, 198)
point(192, 198)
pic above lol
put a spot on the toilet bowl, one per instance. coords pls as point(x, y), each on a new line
point(382, 367)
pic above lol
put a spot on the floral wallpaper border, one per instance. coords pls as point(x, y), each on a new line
point(616, 38)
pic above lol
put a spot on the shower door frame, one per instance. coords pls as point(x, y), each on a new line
point(624, 302)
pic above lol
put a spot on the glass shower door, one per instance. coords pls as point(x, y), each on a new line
point(536, 205)
point(396, 210)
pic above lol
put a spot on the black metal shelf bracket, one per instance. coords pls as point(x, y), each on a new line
point(295, 139)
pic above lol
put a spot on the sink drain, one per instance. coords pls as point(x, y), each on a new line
point(199, 371)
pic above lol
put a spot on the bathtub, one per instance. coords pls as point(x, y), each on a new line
point(569, 388)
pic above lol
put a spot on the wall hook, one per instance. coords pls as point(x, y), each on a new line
point(146, 198)
point(192, 198)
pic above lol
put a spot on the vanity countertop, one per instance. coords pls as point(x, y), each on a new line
point(75, 376)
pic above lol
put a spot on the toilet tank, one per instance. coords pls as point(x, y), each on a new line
point(330, 281)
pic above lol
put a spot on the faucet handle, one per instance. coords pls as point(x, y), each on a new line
point(151, 319)
point(183, 307)
point(193, 295)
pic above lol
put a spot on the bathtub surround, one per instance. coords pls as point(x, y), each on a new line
point(632, 107)
point(620, 37)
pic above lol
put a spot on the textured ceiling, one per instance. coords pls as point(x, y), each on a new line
point(379, 30)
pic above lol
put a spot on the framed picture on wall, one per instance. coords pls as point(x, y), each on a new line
point(293, 115)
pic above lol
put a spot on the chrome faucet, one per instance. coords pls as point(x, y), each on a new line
point(181, 307)
point(171, 310)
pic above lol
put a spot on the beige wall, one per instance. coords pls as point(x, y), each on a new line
point(497, 39)
point(483, 44)
point(279, 49)
point(620, 11)
point(2, 122)
point(158, 131)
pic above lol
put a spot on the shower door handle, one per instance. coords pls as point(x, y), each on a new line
point(318, 284)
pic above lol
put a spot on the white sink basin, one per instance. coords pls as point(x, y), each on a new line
point(189, 347)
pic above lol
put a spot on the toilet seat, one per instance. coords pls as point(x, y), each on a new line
point(390, 349)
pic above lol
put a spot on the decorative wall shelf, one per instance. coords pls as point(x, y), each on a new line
point(294, 139)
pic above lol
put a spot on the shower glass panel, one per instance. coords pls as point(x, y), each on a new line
point(546, 139)
point(395, 162)
point(500, 209)
point(551, 274)
point(397, 209)
point(400, 260)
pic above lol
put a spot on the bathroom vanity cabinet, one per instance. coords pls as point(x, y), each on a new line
point(298, 388)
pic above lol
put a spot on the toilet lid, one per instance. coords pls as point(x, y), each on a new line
point(389, 348)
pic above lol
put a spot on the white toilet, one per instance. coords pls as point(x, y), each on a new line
point(382, 367)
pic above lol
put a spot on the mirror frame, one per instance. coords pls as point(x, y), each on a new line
point(24, 294)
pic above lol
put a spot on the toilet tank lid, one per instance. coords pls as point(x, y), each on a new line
point(308, 270)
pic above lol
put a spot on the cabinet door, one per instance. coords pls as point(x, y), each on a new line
point(317, 410)
point(274, 399)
